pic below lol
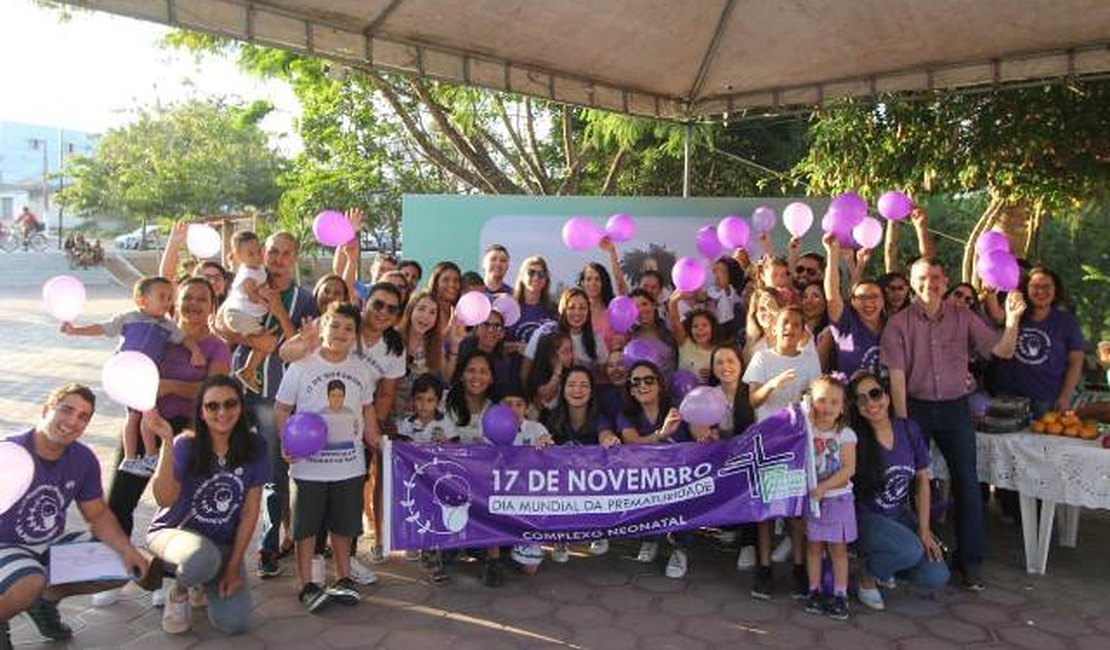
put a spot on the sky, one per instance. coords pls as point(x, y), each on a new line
point(89, 73)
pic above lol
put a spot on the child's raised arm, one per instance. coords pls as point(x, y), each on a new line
point(82, 330)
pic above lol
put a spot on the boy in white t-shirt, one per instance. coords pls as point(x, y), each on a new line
point(244, 308)
point(531, 434)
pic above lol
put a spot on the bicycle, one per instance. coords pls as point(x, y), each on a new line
point(12, 240)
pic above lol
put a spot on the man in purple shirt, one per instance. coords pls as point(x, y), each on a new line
point(926, 348)
point(65, 471)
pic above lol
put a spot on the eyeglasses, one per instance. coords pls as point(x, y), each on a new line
point(646, 381)
point(228, 404)
point(967, 298)
point(868, 297)
point(806, 270)
point(873, 395)
point(493, 327)
point(388, 307)
point(537, 273)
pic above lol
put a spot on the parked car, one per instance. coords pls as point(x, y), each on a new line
point(156, 237)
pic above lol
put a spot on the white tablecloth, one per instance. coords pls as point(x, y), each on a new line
point(1052, 468)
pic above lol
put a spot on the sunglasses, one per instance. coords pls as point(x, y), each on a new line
point(873, 395)
point(388, 307)
point(647, 381)
point(806, 270)
point(868, 297)
point(965, 297)
point(228, 404)
point(537, 273)
point(493, 327)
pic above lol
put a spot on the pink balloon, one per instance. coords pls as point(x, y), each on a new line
point(992, 240)
point(688, 274)
point(508, 307)
point(851, 205)
point(131, 378)
point(703, 406)
point(622, 314)
point(733, 232)
point(19, 471)
point(797, 217)
point(707, 243)
point(895, 205)
point(64, 297)
point(332, 228)
point(579, 234)
point(868, 232)
point(473, 308)
point(620, 228)
point(999, 270)
point(763, 219)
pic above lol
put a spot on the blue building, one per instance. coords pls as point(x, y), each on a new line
point(30, 156)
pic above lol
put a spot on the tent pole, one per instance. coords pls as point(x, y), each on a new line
point(686, 162)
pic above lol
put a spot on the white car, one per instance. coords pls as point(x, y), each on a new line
point(155, 237)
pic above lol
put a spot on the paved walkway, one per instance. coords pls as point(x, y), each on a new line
point(607, 603)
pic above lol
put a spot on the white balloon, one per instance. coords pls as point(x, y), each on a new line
point(868, 232)
point(64, 297)
point(131, 379)
point(203, 241)
point(19, 471)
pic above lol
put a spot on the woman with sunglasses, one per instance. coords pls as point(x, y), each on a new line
point(208, 486)
point(892, 461)
point(489, 337)
point(897, 294)
point(855, 328)
point(533, 293)
point(650, 419)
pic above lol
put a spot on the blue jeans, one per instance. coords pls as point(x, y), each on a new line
point(199, 562)
point(891, 547)
point(275, 493)
point(949, 425)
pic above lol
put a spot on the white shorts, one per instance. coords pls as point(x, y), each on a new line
point(239, 321)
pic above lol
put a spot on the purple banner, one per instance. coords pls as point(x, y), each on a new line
point(453, 496)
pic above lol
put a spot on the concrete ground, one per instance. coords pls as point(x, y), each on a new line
point(607, 603)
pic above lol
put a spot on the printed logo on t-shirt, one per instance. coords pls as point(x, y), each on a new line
point(1033, 346)
point(870, 359)
point(42, 515)
point(827, 456)
point(896, 487)
point(217, 499)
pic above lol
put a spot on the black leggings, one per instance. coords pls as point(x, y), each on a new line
point(126, 489)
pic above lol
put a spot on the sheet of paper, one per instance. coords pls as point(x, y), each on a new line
point(85, 562)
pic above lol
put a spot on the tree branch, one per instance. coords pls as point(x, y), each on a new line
point(524, 164)
point(614, 168)
point(569, 153)
point(534, 149)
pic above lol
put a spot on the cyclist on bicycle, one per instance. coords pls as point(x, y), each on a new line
point(29, 223)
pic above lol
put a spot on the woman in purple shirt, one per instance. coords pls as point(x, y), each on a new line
point(208, 487)
point(533, 294)
point(851, 342)
point(892, 461)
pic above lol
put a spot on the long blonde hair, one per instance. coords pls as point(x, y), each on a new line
point(433, 341)
point(521, 284)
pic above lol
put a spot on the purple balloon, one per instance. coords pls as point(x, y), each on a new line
point(763, 219)
point(622, 314)
point(733, 232)
point(688, 274)
point(473, 308)
point(508, 307)
point(680, 383)
point(707, 243)
point(839, 225)
point(332, 228)
point(797, 217)
point(641, 350)
point(979, 402)
point(580, 233)
point(499, 425)
point(703, 406)
point(992, 240)
point(304, 434)
point(895, 205)
point(852, 205)
point(620, 228)
point(999, 270)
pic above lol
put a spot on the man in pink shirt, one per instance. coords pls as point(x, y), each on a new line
point(926, 348)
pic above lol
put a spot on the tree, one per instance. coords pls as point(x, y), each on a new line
point(1031, 152)
point(199, 157)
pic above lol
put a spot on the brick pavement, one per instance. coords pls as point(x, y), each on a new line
point(609, 602)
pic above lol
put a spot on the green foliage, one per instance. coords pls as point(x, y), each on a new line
point(199, 157)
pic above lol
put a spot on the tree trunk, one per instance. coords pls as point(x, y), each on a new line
point(986, 220)
point(890, 247)
point(1013, 219)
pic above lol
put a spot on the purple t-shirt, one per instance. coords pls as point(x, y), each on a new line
point(531, 317)
point(897, 468)
point(39, 517)
point(177, 365)
point(139, 332)
point(857, 347)
point(645, 428)
point(211, 505)
point(1041, 358)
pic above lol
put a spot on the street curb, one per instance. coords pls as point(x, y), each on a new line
point(126, 265)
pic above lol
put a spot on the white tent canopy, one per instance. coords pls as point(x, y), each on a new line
point(674, 59)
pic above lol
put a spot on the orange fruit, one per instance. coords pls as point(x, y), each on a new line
point(1071, 431)
point(1037, 426)
point(1088, 432)
point(1049, 417)
point(1054, 428)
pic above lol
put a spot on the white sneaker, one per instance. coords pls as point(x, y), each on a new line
point(560, 554)
point(377, 555)
point(676, 566)
point(746, 560)
point(158, 597)
point(136, 467)
point(872, 598)
point(782, 551)
point(197, 597)
point(361, 573)
point(599, 547)
point(648, 552)
point(105, 598)
point(176, 615)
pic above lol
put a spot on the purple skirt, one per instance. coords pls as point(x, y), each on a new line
point(837, 522)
